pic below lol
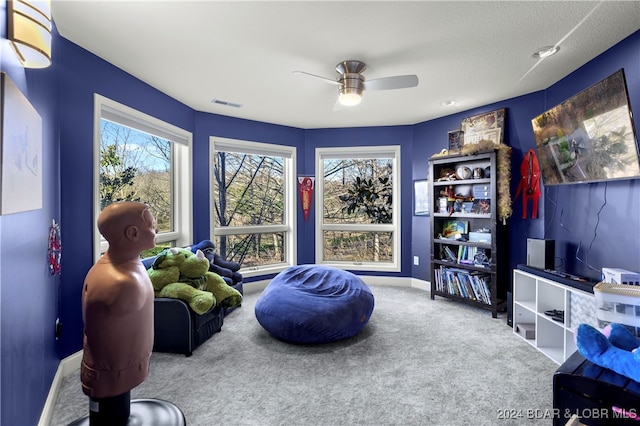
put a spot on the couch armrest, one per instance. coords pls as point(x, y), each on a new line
point(173, 326)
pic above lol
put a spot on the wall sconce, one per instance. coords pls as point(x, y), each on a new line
point(29, 31)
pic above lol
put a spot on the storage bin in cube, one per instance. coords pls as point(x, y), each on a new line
point(618, 303)
point(526, 330)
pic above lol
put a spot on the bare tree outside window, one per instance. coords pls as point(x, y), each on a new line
point(249, 193)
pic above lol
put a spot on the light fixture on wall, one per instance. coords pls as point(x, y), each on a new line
point(29, 31)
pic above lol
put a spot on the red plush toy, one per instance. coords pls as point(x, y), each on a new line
point(529, 183)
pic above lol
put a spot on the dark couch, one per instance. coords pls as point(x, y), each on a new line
point(177, 328)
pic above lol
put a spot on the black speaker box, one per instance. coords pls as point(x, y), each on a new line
point(541, 253)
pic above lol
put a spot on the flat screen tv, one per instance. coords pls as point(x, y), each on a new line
point(590, 137)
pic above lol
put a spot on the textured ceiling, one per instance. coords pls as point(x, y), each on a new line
point(474, 52)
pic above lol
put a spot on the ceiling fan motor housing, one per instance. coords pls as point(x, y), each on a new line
point(352, 80)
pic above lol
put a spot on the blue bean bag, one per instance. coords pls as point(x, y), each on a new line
point(311, 304)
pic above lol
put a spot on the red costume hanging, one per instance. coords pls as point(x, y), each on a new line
point(529, 183)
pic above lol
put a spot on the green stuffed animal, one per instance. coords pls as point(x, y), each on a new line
point(180, 274)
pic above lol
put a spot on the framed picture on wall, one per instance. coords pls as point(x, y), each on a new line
point(421, 197)
point(21, 145)
point(486, 126)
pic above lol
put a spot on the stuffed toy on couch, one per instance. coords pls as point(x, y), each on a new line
point(181, 274)
point(218, 264)
point(614, 348)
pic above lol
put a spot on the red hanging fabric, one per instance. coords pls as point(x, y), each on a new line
point(529, 183)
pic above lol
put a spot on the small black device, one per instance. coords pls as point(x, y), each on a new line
point(510, 309)
point(540, 253)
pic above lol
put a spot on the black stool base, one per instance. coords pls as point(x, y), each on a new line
point(152, 412)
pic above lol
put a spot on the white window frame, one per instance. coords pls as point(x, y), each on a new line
point(181, 166)
point(288, 227)
point(388, 151)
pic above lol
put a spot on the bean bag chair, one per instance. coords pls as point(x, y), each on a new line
point(311, 304)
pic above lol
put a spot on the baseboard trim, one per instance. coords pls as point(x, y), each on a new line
point(66, 367)
point(72, 363)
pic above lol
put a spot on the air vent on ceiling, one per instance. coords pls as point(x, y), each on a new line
point(226, 103)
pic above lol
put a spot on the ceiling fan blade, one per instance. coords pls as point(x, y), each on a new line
point(328, 80)
point(389, 83)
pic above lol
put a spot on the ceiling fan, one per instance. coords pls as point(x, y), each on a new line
point(352, 83)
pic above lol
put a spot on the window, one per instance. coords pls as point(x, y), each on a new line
point(358, 202)
point(253, 204)
point(140, 158)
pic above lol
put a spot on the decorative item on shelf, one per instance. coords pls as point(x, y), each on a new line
point(481, 259)
point(478, 173)
point(463, 172)
point(442, 204)
point(456, 140)
point(447, 174)
point(452, 228)
point(463, 191)
point(467, 206)
point(503, 175)
point(480, 236)
point(481, 205)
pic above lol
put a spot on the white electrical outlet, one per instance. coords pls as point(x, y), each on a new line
point(416, 260)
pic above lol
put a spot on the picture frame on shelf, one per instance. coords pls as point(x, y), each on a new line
point(453, 228)
point(485, 126)
point(456, 140)
point(421, 197)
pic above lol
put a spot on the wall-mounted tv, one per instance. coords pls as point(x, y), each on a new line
point(590, 137)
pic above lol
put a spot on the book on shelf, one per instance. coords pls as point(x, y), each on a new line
point(466, 254)
point(448, 254)
point(451, 228)
point(472, 285)
point(481, 205)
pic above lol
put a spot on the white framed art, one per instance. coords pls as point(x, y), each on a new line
point(20, 151)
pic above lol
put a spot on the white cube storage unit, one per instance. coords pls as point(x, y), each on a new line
point(532, 296)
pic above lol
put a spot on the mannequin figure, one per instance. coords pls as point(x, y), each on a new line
point(117, 309)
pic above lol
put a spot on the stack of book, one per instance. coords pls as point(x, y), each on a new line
point(467, 284)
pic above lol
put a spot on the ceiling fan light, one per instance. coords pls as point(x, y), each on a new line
point(349, 99)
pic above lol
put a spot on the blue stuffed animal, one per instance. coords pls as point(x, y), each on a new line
point(614, 348)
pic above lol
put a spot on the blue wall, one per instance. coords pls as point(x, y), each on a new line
point(233, 128)
point(63, 96)
point(592, 232)
point(28, 293)
point(585, 240)
point(83, 74)
point(431, 137)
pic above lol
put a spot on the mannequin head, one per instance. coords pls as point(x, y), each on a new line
point(127, 225)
